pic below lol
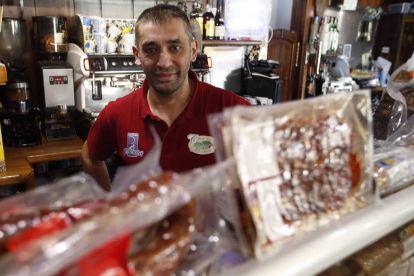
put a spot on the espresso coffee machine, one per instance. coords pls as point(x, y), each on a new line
point(55, 78)
point(19, 127)
point(101, 78)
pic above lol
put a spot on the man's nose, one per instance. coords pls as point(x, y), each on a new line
point(164, 59)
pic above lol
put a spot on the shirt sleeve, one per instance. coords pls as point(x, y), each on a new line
point(101, 137)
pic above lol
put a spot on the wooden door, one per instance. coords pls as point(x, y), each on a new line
point(283, 48)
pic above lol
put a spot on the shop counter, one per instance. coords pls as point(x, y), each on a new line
point(19, 161)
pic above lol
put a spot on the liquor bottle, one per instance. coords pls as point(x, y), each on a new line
point(334, 36)
point(197, 14)
point(319, 81)
point(324, 38)
point(220, 29)
point(208, 22)
point(309, 84)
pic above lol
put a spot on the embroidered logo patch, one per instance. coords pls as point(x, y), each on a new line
point(201, 144)
point(132, 146)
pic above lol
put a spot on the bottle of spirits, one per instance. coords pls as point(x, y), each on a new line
point(324, 34)
point(309, 84)
point(219, 29)
point(208, 22)
point(334, 36)
point(197, 14)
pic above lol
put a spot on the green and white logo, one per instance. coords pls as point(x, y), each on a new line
point(201, 144)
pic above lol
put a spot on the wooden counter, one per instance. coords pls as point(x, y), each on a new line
point(19, 160)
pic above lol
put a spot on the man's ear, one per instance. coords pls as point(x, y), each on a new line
point(194, 48)
point(136, 54)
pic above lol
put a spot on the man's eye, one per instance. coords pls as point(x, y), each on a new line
point(175, 47)
point(150, 50)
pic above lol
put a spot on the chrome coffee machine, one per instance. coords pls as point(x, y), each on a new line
point(100, 79)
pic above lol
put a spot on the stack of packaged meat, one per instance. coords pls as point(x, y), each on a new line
point(392, 255)
point(298, 165)
point(150, 228)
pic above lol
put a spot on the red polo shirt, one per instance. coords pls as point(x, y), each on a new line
point(123, 127)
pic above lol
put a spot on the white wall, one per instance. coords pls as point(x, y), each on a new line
point(281, 14)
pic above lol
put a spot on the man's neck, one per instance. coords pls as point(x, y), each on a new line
point(169, 107)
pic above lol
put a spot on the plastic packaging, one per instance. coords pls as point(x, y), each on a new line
point(400, 87)
point(300, 164)
point(46, 210)
point(391, 255)
point(393, 168)
point(145, 225)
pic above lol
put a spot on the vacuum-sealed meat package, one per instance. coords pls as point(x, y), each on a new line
point(152, 228)
point(151, 223)
point(298, 164)
point(46, 210)
point(393, 168)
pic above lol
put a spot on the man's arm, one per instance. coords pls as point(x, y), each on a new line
point(96, 168)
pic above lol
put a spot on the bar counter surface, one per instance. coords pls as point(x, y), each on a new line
point(19, 160)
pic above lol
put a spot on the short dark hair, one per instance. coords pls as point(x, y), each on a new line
point(160, 14)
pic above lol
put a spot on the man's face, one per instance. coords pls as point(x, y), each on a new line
point(165, 54)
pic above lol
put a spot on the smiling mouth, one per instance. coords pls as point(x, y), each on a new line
point(165, 76)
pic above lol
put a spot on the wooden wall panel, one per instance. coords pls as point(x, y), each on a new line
point(118, 9)
point(53, 8)
point(89, 7)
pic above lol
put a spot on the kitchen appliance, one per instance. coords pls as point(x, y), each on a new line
point(17, 115)
point(261, 81)
point(54, 77)
point(101, 78)
point(339, 76)
point(50, 37)
point(58, 102)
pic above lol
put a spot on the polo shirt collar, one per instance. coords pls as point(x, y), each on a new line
point(194, 109)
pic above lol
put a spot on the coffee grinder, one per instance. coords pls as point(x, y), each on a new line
point(55, 77)
point(19, 127)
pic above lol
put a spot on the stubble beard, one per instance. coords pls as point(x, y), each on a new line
point(173, 86)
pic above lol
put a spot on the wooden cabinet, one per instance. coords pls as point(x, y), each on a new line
point(284, 48)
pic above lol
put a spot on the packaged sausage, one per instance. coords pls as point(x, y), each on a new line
point(393, 168)
point(154, 225)
point(298, 164)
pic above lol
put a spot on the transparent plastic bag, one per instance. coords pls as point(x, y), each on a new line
point(393, 168)
point(46, 210)
point(299, 164)
point(400, 87)
point(155, 224)
point(404, 136)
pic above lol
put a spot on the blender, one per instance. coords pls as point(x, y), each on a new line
point(55, 77)
point(17, 115)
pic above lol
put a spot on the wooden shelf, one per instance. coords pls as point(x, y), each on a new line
point(231, 42)
point(19, 160)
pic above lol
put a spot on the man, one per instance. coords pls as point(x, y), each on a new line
point(171, 99)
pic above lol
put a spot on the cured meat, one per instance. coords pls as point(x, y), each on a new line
point(316, 164)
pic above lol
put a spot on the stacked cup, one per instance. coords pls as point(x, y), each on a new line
point(126, 43)
point(113, 34)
